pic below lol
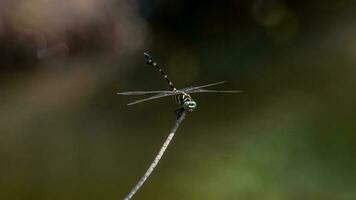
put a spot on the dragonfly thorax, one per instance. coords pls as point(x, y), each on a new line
point(184, 100)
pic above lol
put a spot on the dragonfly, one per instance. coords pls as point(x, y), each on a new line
point(182, 96)
point(186, 104)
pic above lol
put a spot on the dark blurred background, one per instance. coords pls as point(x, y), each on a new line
point(64, 134)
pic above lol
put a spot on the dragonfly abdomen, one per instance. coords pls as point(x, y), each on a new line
point(151, 62)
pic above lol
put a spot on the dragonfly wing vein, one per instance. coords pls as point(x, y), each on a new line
point(142, 92)
point(187, 89)
point(213, 91)
point(153, 97)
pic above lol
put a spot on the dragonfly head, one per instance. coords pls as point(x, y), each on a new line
point(189, 105)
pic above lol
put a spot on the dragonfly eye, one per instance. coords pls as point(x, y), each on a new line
point(190, 105)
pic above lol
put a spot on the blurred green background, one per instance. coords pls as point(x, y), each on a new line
point(64, 134)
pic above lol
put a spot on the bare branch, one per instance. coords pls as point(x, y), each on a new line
point(157, 158)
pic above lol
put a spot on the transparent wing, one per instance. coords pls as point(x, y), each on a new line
point(188, 89)
point(197, 89)
point(142, 92)
point(216, 91)
point(160, 95)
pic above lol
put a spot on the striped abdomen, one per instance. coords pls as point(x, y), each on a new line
point(150, 61)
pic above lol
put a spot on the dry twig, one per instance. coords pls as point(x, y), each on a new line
point(157, 158)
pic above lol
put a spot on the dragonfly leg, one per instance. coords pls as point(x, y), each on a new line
point(179, 112)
